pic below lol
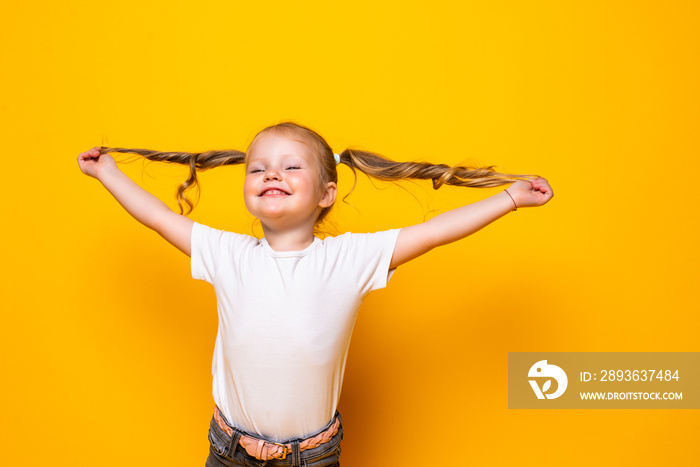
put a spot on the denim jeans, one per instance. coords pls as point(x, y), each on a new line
point(222, 454)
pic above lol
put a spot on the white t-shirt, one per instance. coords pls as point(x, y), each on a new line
point(285, 321)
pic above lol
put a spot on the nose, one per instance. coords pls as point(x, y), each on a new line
point(271, 174)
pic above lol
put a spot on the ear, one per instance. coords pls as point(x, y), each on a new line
point(329, 195)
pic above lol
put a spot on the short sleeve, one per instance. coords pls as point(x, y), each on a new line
point(373, 253)
point(208, 247)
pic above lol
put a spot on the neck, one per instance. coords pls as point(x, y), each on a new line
point(289, 239)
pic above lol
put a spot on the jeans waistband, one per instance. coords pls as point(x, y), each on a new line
point(262, 448)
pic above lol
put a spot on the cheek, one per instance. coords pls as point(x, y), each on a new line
point(248, 186)
point(248, 197)
point(310, 183)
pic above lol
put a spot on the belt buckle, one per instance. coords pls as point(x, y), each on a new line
point(285, 449)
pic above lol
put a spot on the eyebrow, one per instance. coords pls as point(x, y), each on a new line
point(283, 155)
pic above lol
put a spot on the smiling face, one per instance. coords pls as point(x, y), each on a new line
point(283, 183)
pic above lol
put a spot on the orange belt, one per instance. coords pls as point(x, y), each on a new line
point(266, 450)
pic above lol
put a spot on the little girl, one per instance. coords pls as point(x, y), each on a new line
point(287, 303)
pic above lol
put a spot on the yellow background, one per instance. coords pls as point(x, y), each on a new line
point(106, 340)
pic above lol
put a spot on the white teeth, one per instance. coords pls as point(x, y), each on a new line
point(274, 192)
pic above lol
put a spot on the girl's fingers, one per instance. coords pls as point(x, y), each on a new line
point(87, 156)
point(541, 183)
point(543, 190)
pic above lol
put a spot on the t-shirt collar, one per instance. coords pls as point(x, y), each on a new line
point(281, 254)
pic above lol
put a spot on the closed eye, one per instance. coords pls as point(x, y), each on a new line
point(293, 167)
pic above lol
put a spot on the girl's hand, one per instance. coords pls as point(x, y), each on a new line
point(92, 163)
point(535, 192)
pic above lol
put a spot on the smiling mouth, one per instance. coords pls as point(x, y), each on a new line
point(274, 192)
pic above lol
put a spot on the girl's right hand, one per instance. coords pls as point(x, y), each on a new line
point(92, 163)
point(535, 192)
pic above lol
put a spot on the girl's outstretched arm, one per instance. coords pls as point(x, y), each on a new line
point(142, 205)
point(458, 223)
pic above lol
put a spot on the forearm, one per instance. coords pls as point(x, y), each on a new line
point(461, 222)
point(141, 204)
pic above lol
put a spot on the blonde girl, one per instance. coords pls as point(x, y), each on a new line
point(287, 302)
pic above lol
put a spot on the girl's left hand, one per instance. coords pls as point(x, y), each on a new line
point(535, 192)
